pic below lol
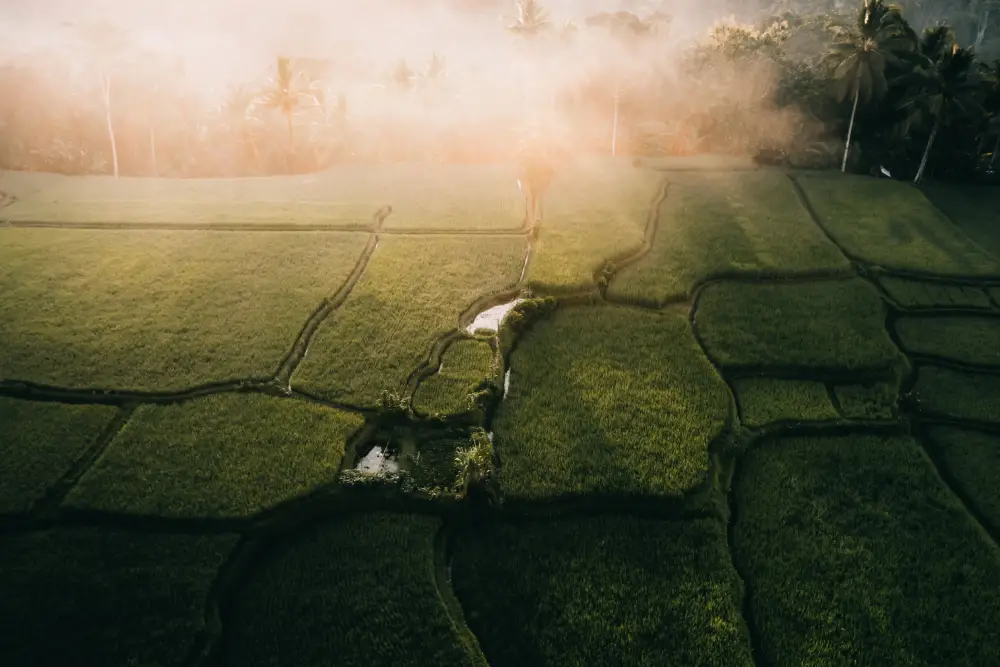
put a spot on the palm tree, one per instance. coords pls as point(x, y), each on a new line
point(287, 91)
point(991, 74)
point(944, 85)
point(862, 55)
point(532, 19)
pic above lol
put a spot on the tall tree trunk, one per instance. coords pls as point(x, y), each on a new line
point(106, 85)
point(152, 148)
point(996, 149)
point(291, 144)
point(614, 127)
point(981, 33)
point(927, 151)
point(854, 111)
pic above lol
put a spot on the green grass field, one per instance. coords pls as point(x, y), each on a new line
point(767, 400)
point(972, 340)
point(609, 400)
point(465, 364)
point(891, 224)
point(39, 443)
point(958, 394)
point(972, 459)
point(857, 554)
point(726, 223)
point(916, 293)
point(98, 596)
point(835, 324)
point(225, 455)
point(975, 209)
point(358, 591)
point(159, 311)
point(602, 591)
point(412, 292)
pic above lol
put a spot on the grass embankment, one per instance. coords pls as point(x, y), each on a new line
point(347, 197)
point(39, 443)
point(877, 400)
point(975, 209)
point(972, 461)
point(602, 591)
point(837, 324)
point(994, 293)
point(84, 596)
point(357, 591)
point(224, 455)
point(857, 554)
point(766, 400)
point(412, 292)
point(609, 400)
point(159, 311)
point(971, 340)
point(958, 394)
point(891, 224)
point(721, 223)
point(592, 213)
point(917, 294)
point(465, 364)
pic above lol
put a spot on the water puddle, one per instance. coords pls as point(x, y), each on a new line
point(491, 318)
point(378, 461)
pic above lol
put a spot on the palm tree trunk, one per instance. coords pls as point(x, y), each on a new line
point(927, 151)
point(152, 148)
point(996, 149)
point(854, 111)
point(106, 85)
point(614, 127)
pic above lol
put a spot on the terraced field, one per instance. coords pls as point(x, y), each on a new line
point(757, 425)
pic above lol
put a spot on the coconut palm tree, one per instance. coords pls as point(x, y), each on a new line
point(944, 85)
point(287, 91)
point(532, 19)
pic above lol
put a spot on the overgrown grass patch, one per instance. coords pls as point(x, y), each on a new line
point(766, 400)
point(357, 591)
point(224, 455)
point(973, 340)
point(876, 400)
point(856, 553)
point(724, 223)
point(592, 214)
point(915, 293)
point(958, 394)
point(465, 364)
point(602, 591)
point(411, 293)
point(97, 596)
point(158, 311)
point(972, 460)
point(609, 400)
point(891, 224)
point(39, 442)
point(974, 208)
point(835, 324)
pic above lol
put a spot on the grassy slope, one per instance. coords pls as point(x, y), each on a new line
point(958, 394)
point(83, 596)
point(592, 213)
point(358, 591)
point(909, 293)
point(857, 554)
point(224, 455)
point(39, 442)
point(973, 460)
point(726, 223)
point(973, 340)
point(412, 292)
point(465, 364)
point(602, 591)
point(892, 224)
point(159, 310)
point(975, 209)
point(609, 400)
point(830, 324)
point(766, 400)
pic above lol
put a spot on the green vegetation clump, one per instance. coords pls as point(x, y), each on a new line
point(357, 591)
point(609, 400)
point(224, 455)
point(972, 460)
point(465, 364)
point(868, 401)
point(856, 553)
point(88, 596)
point(602, 591)
point(829, 324)
point(726, 223)
point(973, 340)
point(39, 442)
point(411, 293)
point(891, 224)
point(766, 400)
point(159, 311)
point(958, 394)
point(915, 293)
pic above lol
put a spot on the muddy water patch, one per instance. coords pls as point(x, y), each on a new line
point(491, 318)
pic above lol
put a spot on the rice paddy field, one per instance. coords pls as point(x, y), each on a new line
point(285, 421)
